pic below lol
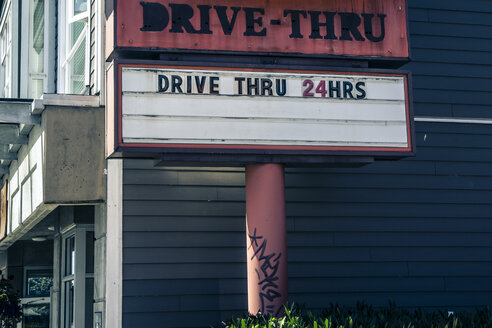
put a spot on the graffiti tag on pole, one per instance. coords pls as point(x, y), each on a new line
point(267, 275)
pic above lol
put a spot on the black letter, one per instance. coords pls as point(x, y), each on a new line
point(252, 86)
point(337, 89)
point(155, 16)
point(347, 89)
point(315, 25)
point(251, 21)
point(200, 83)
point(266, 85)
point(350, 23)
point(188, 84)
point(176, 82)
point(166, 83)
point(181, 15)
point(281, 92)
point(204, 19)
point(368, 27)
point(295, 22)
point(239, 81)
point(213, 85)
point(359, 86)
point(227, 26)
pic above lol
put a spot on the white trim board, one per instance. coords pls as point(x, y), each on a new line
point(114, 242)
point(454, 120)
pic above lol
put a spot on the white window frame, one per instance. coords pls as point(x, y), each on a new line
point(79, 276)
point(99, 60)
point(25, 28)
point(48, 49)
point(65, 8)
point(6, 53)
point(40, 76)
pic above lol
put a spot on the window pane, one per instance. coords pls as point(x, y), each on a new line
point(70, 256)
point(78, 70)
point(68, 308)
point(79, 6)
point(75, 31)
point(89, 253)
point(36, 315)
point(5, 56)
point(36, 50)
point(38, 26)
point(36, 88)
point(89, 301)
point(39, 283)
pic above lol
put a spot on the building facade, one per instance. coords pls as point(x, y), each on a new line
point(135, 241)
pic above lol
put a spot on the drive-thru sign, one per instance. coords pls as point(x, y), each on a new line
point(203, 110)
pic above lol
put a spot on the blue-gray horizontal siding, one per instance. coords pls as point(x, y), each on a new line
point(451, 50)
point(184, 238)
point(416, 231)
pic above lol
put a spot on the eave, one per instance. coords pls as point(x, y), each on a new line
point(17, 118)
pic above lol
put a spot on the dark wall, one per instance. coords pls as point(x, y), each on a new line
point(25, 253)
point(417, 231)
point(183, 245)
point(451, 49)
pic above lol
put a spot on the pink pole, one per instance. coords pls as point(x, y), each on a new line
point(266, 238)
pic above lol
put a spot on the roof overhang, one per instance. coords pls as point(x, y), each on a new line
point(17, 118)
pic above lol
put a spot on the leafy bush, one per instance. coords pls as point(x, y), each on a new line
point(10, 307)
point(365, 316)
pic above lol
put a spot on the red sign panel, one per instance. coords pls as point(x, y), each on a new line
point(365, 28)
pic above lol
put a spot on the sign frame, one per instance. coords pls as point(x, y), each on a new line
point(114, 46)
point(116, 148)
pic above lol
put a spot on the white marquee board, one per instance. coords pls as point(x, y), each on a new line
point(166, 107)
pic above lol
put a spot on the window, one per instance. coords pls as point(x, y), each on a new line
point(26, 48)
point(36, 301)
point(38, 282)
point(75, 58)
point(5, 52)
point(77, 278)
point(37, 74)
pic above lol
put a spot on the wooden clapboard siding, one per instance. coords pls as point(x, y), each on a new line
point(451, 47)
point(184, 239)
point(412, 233)
point(420, 238)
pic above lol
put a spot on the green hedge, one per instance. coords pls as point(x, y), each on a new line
point(365, 316)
